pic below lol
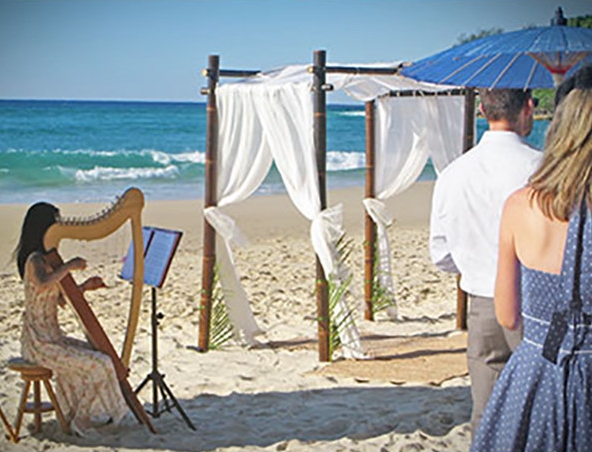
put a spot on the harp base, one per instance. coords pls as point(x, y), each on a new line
point(158, 383)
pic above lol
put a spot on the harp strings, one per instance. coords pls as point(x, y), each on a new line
point(96, 217)
point(102, 238)
point(104, 258)
point(110, 249)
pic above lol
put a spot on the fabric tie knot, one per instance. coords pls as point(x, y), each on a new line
point(558, 330)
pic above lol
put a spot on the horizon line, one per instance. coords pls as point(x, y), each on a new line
point(153, 101)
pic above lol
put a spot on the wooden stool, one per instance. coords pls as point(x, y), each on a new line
point(32, 373)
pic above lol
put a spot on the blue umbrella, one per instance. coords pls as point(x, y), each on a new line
point(530, 58)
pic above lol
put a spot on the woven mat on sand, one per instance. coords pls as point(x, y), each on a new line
point(419, 359)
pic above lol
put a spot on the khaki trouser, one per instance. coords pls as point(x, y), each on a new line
point(489, 347)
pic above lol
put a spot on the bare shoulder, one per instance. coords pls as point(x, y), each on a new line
point(518, 203)
point(34, 264)
point(35, 258)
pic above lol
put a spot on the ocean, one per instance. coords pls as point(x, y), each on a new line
point(91, 151)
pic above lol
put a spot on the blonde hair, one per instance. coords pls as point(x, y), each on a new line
point(565, 174)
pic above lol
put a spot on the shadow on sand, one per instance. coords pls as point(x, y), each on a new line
point(262, 419)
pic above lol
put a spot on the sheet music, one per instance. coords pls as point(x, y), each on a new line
point(159, 247)
point(127, 271)
point(159, 255)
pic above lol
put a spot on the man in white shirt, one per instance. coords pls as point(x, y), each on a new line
point(466, 209)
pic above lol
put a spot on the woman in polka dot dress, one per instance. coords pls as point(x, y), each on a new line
point(543, 398)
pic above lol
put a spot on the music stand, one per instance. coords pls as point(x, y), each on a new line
point(160, 246)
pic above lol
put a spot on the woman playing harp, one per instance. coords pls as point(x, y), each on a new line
point(87, 387)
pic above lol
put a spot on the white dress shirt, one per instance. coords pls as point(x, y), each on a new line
point(467, 203)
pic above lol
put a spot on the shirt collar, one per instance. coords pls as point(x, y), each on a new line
point(497, 135)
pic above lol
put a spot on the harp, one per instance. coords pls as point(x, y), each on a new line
point(127, 207)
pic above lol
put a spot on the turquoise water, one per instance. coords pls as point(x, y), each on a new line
point(78, 151)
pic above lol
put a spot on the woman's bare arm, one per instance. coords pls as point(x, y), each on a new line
point(507, 284)
point(44, 276)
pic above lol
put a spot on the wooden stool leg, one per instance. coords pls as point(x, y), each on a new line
point(21, 409)
point(8, 428)
point(37, 405)
point(56, 406)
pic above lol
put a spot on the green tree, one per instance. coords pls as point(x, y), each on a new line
point(580, 21)
point(464, 38)
point(545, 96)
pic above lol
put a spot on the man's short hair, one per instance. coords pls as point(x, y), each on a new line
point(501, 104)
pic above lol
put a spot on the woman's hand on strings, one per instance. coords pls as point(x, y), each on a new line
point(93, 283)
point(77, 263)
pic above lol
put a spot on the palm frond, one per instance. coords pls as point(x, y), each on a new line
point(339, 321)
point(221, 329)
point(382, 298)
point(341, 316)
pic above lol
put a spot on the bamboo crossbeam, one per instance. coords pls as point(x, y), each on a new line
point(237, 73)
point(229, 72)
point(422, 93)
point(370, 226)
point(320, 143)
point(209, 234)
point(363, 70)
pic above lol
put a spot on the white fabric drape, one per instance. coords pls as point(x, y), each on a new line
point(408, 131)
point(243, 162)
point(287, 115)
point(445, 141)
point(244, 158)
point(260, 124)
point(383, 219)
point(239, 310)
point(326, 229)
point(269, 118)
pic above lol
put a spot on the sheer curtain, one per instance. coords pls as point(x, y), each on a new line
point(446, 141)
point(408, 131)
point(286, 112)
point(260, 124)
point(243, 162)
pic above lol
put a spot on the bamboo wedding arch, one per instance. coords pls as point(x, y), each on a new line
point(318, 72)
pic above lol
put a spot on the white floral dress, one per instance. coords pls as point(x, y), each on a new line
point(87, 388)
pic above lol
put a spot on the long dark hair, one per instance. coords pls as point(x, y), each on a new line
point(38, 219)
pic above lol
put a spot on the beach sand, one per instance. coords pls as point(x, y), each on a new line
point(276, 396)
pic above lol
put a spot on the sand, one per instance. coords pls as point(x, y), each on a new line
point(277, 395)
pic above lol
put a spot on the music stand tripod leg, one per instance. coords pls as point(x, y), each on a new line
point(176, 404)
point(158, 378)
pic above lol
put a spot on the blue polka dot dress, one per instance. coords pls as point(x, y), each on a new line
point(543, 398)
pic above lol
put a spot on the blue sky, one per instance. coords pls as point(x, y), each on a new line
point(155, 49)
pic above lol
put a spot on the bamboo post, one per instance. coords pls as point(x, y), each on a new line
point(320, 143)
point(209, 234)
point(468, 143)
point(469, 126)
point(370, 227)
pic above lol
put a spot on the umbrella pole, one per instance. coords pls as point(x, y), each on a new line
point(209, 234)
point(469, 142)
point(370, 226)
point(320, 143)
point(557, 78)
